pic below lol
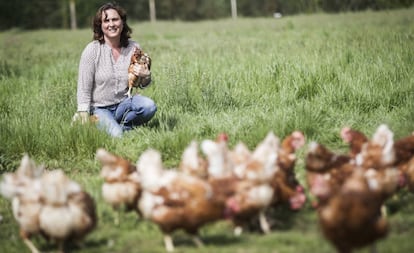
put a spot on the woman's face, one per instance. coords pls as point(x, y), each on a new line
point(111, 24)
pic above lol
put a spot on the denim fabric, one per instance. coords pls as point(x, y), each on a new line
point(130, 113)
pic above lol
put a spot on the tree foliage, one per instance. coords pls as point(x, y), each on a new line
point(35, 14)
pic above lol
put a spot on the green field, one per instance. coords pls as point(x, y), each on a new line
point(314, 73)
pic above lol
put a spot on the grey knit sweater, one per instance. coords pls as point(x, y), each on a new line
point(101, 80)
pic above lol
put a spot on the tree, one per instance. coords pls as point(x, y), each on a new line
point(153, 17)
point(233, 9)
point(72, 8)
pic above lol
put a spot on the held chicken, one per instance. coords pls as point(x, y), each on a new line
point(139, 60)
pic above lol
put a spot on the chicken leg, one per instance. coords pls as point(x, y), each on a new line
point(169, 245)
point(30, 245)
point(28, 242)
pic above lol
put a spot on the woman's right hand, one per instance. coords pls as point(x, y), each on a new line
point(82, 117)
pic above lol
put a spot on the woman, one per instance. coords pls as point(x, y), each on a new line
point(103, 76)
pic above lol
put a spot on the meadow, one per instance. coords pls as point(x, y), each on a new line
point(314, 73)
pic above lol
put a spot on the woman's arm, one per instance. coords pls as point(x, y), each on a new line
point(86, 77)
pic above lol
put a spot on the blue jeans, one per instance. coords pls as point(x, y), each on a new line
point(130, 113)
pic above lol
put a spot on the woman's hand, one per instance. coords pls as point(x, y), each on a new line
point(144, 75)
point(81, 117)
point(141, 70)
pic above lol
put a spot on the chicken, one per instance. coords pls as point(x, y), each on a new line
point(289, 146)
point(122, 183)
point(261, 165)
point(355, 139)
point(385, 181)
point(240, 155)
point(246, 190)
point(404, 160)
point(48, 204)
point(68, 212)
point(23, 189)
point(174, 200)
point(404, 149)
point(408, 171)
point(382, 150)
point(379, 152)
point(141, 59)
point(320, 159)
point(249, 200)
point(262, 179)
point(287, 187)
point(85, 219)
point(218, 169)
point(237, 192)
point(272, 163)
point(353, 188)
point(326, 171)
point(192, 163)
point(351, 218)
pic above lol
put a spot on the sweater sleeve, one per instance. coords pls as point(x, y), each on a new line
point(86, 77)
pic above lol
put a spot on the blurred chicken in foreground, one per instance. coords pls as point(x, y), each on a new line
point(174, 200)
point(22, 188)
point(352, 188)
point(255, 180)
point(68, 213)
point(122, 184)
point(49, 204)
point(351, 218)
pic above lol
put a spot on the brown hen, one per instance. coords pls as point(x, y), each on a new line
point(142, 60)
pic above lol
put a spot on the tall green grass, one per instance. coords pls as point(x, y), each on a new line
point(314, 73)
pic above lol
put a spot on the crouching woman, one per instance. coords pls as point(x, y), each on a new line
point(103, 76)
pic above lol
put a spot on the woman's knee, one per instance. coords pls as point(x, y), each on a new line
point(107, 123)
point(150, 110)
point(145, 105)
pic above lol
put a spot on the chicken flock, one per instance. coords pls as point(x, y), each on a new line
point(215, 182)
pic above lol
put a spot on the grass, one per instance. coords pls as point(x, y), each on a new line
point(315, 73)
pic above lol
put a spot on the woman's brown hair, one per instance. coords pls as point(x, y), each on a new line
point(97, 22)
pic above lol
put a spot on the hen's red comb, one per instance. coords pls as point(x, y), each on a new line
point(222, 137)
